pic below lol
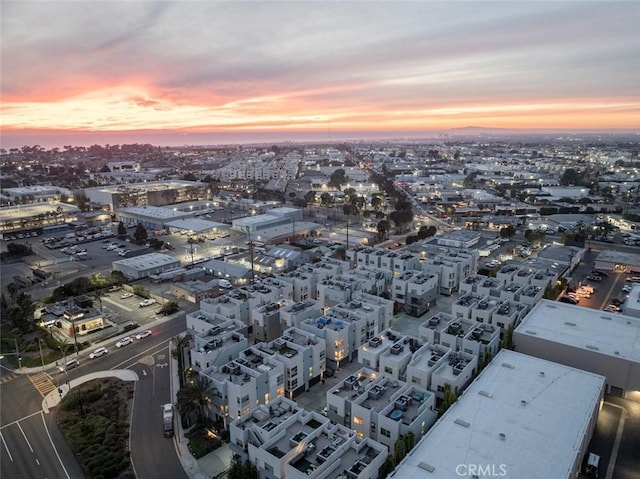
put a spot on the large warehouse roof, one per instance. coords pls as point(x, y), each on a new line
point(606, 333)
point(523, 417)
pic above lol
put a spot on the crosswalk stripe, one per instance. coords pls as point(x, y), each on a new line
point(42, 382)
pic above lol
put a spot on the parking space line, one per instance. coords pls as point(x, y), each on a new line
point(616, 442)
point(109, 300)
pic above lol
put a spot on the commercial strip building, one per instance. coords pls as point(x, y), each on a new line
point(620, 261)
point(145, 265)
point(152, 193)
point(522, 417)
point(37, 217)
point(589, 339)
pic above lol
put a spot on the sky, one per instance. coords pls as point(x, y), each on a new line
point(188, 70)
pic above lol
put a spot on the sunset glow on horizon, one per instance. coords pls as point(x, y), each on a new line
point(308, 66)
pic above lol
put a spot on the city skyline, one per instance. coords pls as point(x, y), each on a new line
point(313, 70)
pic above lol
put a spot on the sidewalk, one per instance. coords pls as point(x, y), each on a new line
point(208, 466)
point(86, 352)
point(52, 399)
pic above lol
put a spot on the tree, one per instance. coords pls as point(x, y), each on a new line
point(507, 232)
point(140, 234)
point(122, 229)
point(338, 178)
point(507, 341)
point(450, 396)
point(326, 199)
point(169, 308)
point(383, 228)
point(194, 397)
point(310, 196)
point(242, 471)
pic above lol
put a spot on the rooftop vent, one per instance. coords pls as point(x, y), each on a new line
point(502, 436)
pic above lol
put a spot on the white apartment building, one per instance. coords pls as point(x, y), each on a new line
point(336, 290)
point(216, 339)
point(463, 306)
point(424, 362)
point(508, 314)
point(530, 295)
point(303, 355)
point(386, 409)
point(303, 283)
point(415, 290)
point(458, 372)
point(284, 441)
point(393, 362)
point(511, 292)
point(240, 385)
point(470, 284)
point(377, 312)
point(484, 309)
point(517, 402)
point(266, 321)
point(490, 287)
point(291, 315)
point(339, 336)
point(430, 331)
point(231, 305)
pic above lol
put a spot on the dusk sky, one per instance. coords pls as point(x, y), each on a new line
point(190, 68)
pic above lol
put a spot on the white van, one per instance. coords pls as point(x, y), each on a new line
point(593, 462)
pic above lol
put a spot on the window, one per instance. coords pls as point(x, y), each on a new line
point(358, 420)
point(384, 432)
point(440, 389)
point(366, 362)
point(388, 370)
point(500, 325)
point(415, 380)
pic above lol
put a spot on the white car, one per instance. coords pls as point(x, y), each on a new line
point(143, 334)
point(124, 341)
point(126, 295)
point(98, 352)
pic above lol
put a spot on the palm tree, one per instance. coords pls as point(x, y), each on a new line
point(194, 398)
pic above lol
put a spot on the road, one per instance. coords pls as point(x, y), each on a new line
point(32, 445)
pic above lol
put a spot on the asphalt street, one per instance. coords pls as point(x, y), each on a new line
point(32, 445)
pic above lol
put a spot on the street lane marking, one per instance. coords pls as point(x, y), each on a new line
point(37, 462)
point(119, 366)
point(53, 446)
point(18, 420)
point(5, 447)
point(25, 437)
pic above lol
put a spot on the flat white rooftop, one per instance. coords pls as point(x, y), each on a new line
point(525, 414)
point(157, 212)
point(147, 261)
point(612, 334)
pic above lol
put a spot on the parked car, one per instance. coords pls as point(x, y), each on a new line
point(147, 302)
point(568, 300)
point(329, 372)
point(124, 341)
point(143, 334)
point(98, 352)
point(596, 278)
point(126, 295)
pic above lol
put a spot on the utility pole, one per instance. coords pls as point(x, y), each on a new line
point(41, 356)
point(253, 277)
